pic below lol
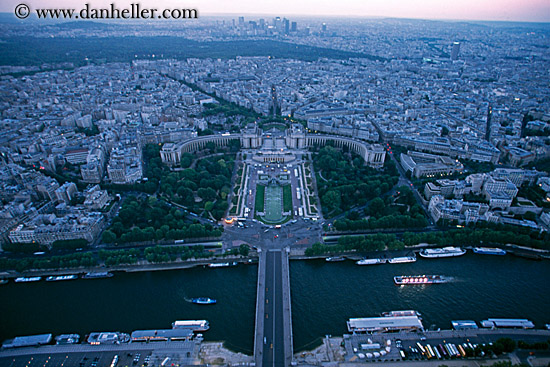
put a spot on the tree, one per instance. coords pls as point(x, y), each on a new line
point(70, 244)
point(186, 160)
point(530, 216)
point(508, 344)
point(126, 215)
point(208, 206)
point(207, 193)
point(332, 200)
point(376, 207)
point(117, 228)
point(159, 234)
point(244, 250)
point(185, 192)
point(205, 132)
point(354, 215)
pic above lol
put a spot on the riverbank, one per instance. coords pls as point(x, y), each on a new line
point(332, 353)
point(521, 251)
point(324, 296)
point(141, 266)
point(295, 254)
point(214, 353)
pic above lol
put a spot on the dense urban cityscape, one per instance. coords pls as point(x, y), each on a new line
point(265, 145)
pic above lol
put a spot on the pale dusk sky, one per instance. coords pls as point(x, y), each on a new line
point(506, 10)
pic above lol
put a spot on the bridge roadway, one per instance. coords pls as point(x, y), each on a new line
point(273, 335)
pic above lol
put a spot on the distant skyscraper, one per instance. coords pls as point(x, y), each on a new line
point(286, 24)
point(455, 51)
point(293, 27)
point(488, 127)
point(324, 27)
point(241, 22)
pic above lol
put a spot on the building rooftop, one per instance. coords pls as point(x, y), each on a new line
point(369, 324)
point(28, 341)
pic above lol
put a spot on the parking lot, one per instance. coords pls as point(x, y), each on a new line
point(97, 359)
point(82, 355)
point(413, 346)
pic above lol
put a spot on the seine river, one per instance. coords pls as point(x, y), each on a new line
point(324, 296)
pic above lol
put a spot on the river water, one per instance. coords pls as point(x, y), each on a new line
point(324, 295)
point(131, 301)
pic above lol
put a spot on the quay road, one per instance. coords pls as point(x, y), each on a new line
point(273, 335)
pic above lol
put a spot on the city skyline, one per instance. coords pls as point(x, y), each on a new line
point(490, 10)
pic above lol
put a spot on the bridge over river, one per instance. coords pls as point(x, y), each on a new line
point(273, 334)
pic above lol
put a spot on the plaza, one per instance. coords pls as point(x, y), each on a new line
point(269, 161)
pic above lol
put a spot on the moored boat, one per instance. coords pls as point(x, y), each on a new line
point(195, 325)
point(442, 252)
point(61, 277)
point(402, 259)
point(420, 279)
point(489, 251)
point(95, 275)
point(27, 279)
point(218, 265)
point(371, 261)
point(401, 313)
point(464, 324)
point(108, 337)
point(335, 258)
point(67, 339)
point(508, 323)
point(203, 301)
point(3, 281)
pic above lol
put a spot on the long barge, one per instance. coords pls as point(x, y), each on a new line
point(371, 261)
point(488, 251)
point(508, 323)
point(27, 279)
point(96, 275)
point(402, 259)
point(401, 313)
point(442, 252)
point(61, 277)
